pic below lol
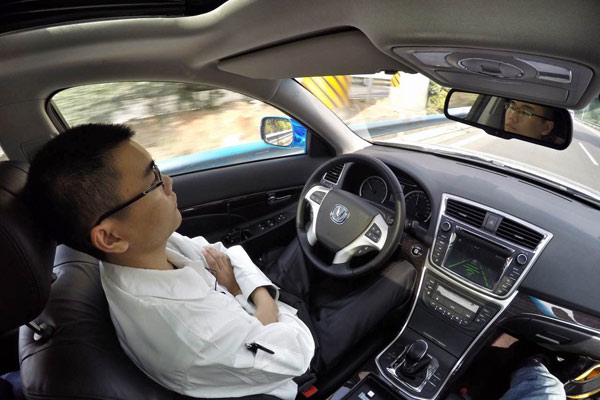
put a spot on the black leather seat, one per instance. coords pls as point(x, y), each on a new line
point(83, 359)
point(27, 254)
point(25, 264)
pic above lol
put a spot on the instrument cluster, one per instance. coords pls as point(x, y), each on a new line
point(370, 186)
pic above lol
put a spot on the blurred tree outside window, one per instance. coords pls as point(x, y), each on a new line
point(591, 113)
point(184, 126)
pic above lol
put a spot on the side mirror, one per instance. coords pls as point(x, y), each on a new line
point(277, 131)
point(510, 118)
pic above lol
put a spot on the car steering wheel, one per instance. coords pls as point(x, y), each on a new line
point(347, 224)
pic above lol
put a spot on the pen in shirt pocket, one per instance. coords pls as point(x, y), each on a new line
point(254, 347)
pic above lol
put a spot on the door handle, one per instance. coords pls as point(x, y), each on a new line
point(273, 199)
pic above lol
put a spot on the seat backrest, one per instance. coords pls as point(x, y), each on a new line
point(27, 253)
point(83, 358)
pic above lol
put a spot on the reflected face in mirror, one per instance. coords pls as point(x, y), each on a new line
point(511, 119)
point(528, 119)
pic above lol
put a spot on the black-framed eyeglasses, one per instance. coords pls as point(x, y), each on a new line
point(158, 182)
point(522, 113)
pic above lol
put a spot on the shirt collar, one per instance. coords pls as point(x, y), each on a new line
point(177, 259)
point(183, 283)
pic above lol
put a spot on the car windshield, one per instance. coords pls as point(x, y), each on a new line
point(407, 110)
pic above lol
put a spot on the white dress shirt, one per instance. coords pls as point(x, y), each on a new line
point(192, 339)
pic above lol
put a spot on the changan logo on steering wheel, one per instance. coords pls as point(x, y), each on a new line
point(339, 214)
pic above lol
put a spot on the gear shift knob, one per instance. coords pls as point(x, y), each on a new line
point(415, 360)
point(416, 351)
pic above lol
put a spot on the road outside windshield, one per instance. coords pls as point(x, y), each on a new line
point(408, 109)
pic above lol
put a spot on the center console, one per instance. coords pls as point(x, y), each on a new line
point(479, 257)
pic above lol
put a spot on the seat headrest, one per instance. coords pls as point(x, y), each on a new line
point(27, 253)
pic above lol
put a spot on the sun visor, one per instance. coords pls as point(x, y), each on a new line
point(341, 53)
point(523, 76)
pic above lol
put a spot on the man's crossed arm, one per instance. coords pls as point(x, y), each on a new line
point(266, 307)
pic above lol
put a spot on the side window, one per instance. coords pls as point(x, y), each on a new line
point(186, 127)
point(3, 156)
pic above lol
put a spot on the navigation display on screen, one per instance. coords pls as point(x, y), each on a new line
point(477, 260)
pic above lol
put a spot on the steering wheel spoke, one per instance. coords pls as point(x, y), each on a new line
point(314, 197)
point(372, 238)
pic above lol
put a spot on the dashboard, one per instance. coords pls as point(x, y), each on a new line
point(566, 270)
point(502, 251)
point(555, 281)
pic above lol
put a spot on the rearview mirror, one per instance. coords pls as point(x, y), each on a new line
point(509, 118)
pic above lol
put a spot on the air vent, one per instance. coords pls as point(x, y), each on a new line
point(519, 234)
point(465, 212)
point(333, 175)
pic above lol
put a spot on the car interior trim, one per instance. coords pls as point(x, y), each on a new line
point(524, 306)
point(594, 333)
point(193, 209)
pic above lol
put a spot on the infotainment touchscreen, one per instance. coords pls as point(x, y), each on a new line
point(476, 259)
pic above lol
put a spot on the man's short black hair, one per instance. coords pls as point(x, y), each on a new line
point(73, 180)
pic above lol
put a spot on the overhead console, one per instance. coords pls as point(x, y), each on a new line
point(562, 83)
point(479, 257)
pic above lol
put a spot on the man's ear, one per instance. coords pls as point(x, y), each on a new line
point(548, 126)
point(106, 238)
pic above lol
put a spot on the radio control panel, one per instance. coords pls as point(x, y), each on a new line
point(466, 311)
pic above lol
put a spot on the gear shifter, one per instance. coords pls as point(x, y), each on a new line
point(414, 366)
point(415, 360)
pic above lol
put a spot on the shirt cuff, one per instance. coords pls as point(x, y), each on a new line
point(248, 275)
point(250, 285)
point(249, 308)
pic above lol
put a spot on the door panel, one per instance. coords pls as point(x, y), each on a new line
point(252, 204)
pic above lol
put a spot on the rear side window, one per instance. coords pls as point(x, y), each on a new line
point(3, 156)
point(186, 127)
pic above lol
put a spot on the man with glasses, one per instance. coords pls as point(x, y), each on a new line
point(526, 119)
point(200, 319)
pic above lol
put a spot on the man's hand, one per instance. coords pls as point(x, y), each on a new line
point(220, 263)
point(266, 308)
